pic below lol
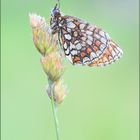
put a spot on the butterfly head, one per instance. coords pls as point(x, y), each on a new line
point(55, 18)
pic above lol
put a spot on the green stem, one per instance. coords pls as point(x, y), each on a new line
point(54, 108)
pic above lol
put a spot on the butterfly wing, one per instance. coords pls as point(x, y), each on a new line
point(111, 54)
point(87, 44)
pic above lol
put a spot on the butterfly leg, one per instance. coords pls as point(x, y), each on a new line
point(59, 40)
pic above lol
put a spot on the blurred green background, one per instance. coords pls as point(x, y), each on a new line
point(102, 103)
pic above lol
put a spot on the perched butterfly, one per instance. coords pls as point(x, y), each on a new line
point(83, 43)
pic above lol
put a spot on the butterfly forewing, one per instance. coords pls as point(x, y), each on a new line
point(86, 44)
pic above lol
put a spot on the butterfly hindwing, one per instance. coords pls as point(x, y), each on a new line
point(87, 44)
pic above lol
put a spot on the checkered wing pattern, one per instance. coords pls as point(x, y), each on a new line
point(87, 44)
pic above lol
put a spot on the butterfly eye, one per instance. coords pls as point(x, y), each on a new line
point(56, 12)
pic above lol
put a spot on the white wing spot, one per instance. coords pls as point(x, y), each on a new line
point(78, 46)
point(83, 44)
point(102, 47)
point(113, 53)
point(98, 53)
point(102, 33)
point(67, 36)
point(82, 26)
point(77, 41)
point(90, 38)
point(86, 60)
point(116, 50)
point(82, 31)
point(74, 52)
point(89, 42)
point(116, 57)
point(89, 32)
point(103, 40)
point(107, 35)
point(83, 38)
point(72, 46)
point(60, 25)
point(69, 20)
point(69, 30)
point(67, 51)
point(75, 34)
point(97, 36)
point(93, 55)
point(91, 28)
point(71, 25)
point(120, 50)
point(65, 46)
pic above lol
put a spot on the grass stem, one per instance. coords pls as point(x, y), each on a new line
point(54, 108)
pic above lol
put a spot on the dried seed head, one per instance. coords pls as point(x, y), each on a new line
point(52, 65)
point(37, 21)
point(52, 59)
point(59, 91)
point(42, 38)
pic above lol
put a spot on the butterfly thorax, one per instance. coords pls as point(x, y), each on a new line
point(56, 21)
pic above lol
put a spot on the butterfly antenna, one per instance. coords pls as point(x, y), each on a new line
point(58, 4)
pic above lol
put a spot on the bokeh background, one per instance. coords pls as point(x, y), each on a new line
point(102, 103)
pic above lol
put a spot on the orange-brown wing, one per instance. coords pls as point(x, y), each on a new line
point(109, 56)
point(87, 44)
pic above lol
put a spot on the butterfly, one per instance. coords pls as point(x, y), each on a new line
point(83, 43)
